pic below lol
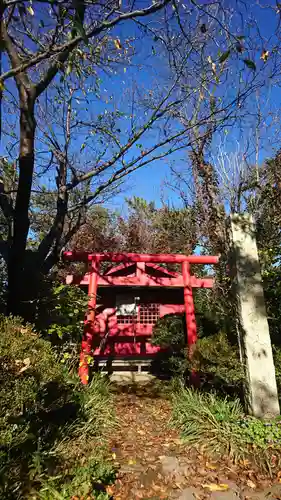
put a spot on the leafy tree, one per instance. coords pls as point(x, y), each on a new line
point(53, 56)
point(145, 229)
point(158, 230)
point(42, 42)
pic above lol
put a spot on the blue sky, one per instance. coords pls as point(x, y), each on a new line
point(149, 181)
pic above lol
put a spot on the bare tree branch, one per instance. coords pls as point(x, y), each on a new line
point(63, 50)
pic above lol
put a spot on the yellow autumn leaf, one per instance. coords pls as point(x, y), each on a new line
point(117, 44)
point(30, 10)
point(131, 462)
point(114, 456)
point(216, 487)
point(265, 55)
point(1, 86)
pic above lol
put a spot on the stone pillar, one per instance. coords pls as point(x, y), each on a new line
point(252, 324)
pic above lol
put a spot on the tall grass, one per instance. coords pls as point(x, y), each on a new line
point(207, 420)
point(218, 426)
point(95, 419)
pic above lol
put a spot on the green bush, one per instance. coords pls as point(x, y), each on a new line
point(219, 426)
point(46, 416)
point(88, 480)
point(169, 334)
point(60, 317)
point(218, 362)
point(67, 306)
point(216, 359)
point(28, 369)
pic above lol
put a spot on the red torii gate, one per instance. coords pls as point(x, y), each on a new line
point(94, 260)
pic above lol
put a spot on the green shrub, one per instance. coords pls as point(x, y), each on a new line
point(46, 416)
point(169, 334)
point(216, 359)
point(261, 434)
point(28, 370)
point(66, 312)
point(218, 362)
point(219, 426)
point(60, 316)
point(87, 480)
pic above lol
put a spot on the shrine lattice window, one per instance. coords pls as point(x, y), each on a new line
point(149, 313)
point(126, 319)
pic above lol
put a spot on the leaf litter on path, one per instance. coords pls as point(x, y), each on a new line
point(144, 438)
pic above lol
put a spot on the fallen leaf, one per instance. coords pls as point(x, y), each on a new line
point(109, 490)
point(114, 456)
point(26, 362)
point(156, 487)
point(177, 441)
point(245, 463)
point(210, 466)
point(216, 487)
point(251, 484)
point(131, 462)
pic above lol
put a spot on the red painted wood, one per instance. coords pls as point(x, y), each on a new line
point(126, 338)
point(189, 306)
point(87, 340)
point(141, 280)
point(190, 317)
point(139, 257)
point(141, 265)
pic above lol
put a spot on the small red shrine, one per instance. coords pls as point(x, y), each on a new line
point(127, 299)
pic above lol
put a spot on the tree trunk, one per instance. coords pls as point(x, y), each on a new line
point(17, 252)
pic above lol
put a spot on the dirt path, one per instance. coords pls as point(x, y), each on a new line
point(154, 464)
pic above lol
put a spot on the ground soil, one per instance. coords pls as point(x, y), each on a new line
point(154, 463)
